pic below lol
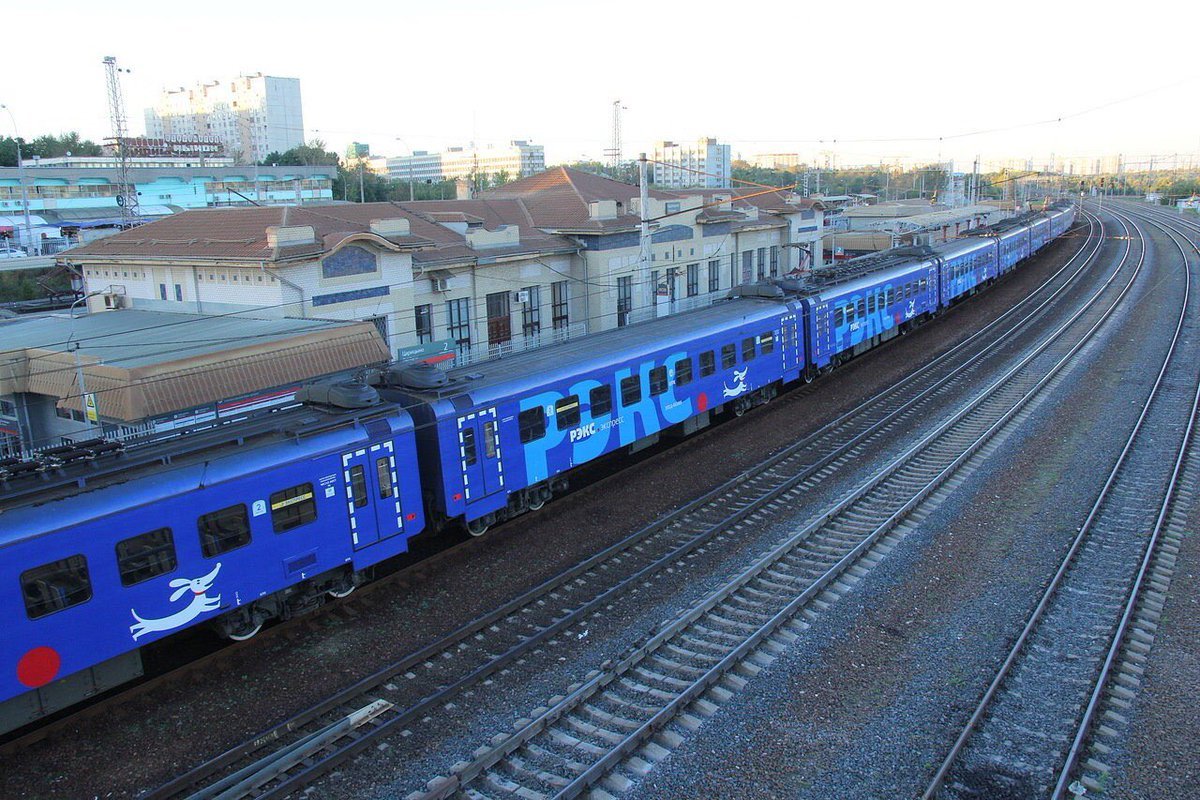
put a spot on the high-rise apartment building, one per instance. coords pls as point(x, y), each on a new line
point(706, 164)
point(251, 115)
point(518, 159)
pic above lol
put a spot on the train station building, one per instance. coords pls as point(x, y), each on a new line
point(549, 257)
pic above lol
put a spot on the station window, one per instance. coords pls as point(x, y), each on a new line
point(383, 471)
point(140, 558)
point(532, 422)
point(683, 372)
point(728, 356)
point(631, 390)
point(747, 349)
point(658, 381)
point(469, 453)
point(708, 363)
point(566, 412)
point(291, 508)
point(224, 530)
point(767, 342)
point(55, 586)
point(600, 401)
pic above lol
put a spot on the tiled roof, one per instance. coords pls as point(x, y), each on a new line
point(558, 199)
point(241, 233)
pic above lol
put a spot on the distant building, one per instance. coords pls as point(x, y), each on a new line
point(251, 115)
point(708, 164)
point(84, 195)
point(1192, 202)
point(776, 160)
point(517, 159)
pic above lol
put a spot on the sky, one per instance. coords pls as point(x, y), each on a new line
point(851, 83)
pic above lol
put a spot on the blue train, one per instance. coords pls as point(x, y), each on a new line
point(266, 519)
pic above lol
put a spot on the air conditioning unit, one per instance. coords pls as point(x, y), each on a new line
point(521, 296)
point(440, 284)
point(113, 301)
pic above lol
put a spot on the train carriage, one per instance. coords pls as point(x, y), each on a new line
point(966, 264)
point(229, 535)
point(504, 433)
point(866, 301)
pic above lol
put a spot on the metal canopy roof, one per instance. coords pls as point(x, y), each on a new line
point(142, 364)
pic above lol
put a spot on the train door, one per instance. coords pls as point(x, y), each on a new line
point(370, 481)
point(479, 454)
point(791, 348)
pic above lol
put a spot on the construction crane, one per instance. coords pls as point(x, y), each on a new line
point(126, 190)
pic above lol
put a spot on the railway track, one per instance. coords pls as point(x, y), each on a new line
point(361, 602)
point(418, 686)
point(631, 712)
point(1085, 641)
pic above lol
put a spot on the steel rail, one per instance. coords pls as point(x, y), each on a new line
point(193, 778)
point(1068, 561)
point(464, 775)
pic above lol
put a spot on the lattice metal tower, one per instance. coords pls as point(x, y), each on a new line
point(614, 152)
point(126, 191)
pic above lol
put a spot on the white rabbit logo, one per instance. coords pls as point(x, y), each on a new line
point(201, 603)
point(739, 385)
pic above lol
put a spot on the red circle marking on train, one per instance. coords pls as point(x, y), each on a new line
point(38, 667)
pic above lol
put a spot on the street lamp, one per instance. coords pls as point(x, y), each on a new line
point(21, 179)
point(410, 175)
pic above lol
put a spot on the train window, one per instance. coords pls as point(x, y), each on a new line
point(470, 454)
point(55, 586)
point(291, 508)
point(600, 401)
point(871, 303)
point(889, 296)
point(383, 472)
point(658, 381)
point(861, 308)
point(708, 363)
point(358, 486)
point(631, 390)
point(747, 349)
point(728, 356)
point(839, 317)
point(566, 412)
point(489, 439)
point(140, 558)
point(683, 372)
point(767, 342)
point(532, 422)
point(224, 530)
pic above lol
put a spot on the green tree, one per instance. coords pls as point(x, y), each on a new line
point(47, 146)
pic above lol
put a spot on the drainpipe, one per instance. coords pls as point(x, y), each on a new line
point(262, 265)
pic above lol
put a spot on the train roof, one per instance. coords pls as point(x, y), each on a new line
point(496, 379)
point(238, 448)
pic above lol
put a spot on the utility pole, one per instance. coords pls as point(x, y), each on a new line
point(126, 191)
point(647, 292)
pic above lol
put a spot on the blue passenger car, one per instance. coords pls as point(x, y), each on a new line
point(868, 300)
point(505, 433)
point(966, 264)
point(230, 535)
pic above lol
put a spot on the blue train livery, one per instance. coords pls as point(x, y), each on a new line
point(230, 536)
point(265, 518)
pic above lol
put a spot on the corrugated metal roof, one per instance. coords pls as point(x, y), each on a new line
point(143, 364)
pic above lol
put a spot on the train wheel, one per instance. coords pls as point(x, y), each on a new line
point(340, 593)
point(477, 527)
point(245, 633)
point(537, 501)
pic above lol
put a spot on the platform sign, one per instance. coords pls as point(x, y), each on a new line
point(89, 406)
point(427, 352)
